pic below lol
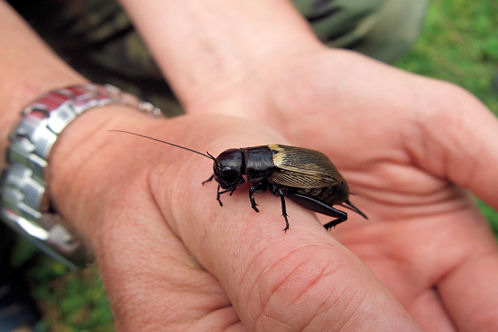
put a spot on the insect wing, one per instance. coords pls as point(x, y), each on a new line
point(302, 168)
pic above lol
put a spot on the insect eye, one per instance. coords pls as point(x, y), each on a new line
point(226, 171)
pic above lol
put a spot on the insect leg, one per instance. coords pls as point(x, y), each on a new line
point(320, 207)
point(241, 181)
point(333, 223)
point(284, 210)
point(206, 181)
point(257, 187)
point(282, 192)
point(219, 193)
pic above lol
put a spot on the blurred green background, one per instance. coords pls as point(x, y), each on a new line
point(459, 44)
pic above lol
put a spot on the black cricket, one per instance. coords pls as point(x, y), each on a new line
point(306, 176)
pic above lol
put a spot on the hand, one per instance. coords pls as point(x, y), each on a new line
point(170, 256)
point(407, 145)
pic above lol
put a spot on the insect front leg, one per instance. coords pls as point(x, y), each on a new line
point(238, 184)
point(208, 180)
point(219, 193)
point(256, 187)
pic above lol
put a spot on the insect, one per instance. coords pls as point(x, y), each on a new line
point(305, 176)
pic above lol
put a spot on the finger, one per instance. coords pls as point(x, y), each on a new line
point(473, 307)
point(468, 289)
point(457, 138)
point(151, 279)
point(297, 279)
point(428, 310)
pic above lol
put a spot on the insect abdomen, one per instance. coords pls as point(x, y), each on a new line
point(328, 195)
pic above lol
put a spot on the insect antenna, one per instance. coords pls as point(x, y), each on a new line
point(208, 155)
point(348, 205)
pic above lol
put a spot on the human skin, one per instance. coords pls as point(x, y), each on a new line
point(407, 144)
point(170, 256)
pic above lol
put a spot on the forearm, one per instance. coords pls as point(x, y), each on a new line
point(205, 46)
point(28, 69)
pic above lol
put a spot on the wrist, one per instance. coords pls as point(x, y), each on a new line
point(25, 182)
point(84, 166)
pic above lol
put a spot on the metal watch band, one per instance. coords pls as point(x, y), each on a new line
point(24, 202)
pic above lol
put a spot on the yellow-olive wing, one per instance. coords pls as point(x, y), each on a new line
point(302, 168)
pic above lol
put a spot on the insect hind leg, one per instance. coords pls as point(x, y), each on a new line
point(335, 222)
point(320, 207)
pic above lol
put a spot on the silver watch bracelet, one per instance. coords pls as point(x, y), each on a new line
point(24, 199)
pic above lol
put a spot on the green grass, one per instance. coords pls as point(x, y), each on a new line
point(73, 301)
point(459, 44)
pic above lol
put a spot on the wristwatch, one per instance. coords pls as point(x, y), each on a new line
point(24, 201)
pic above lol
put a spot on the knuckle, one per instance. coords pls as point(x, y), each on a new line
point(299, 292)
